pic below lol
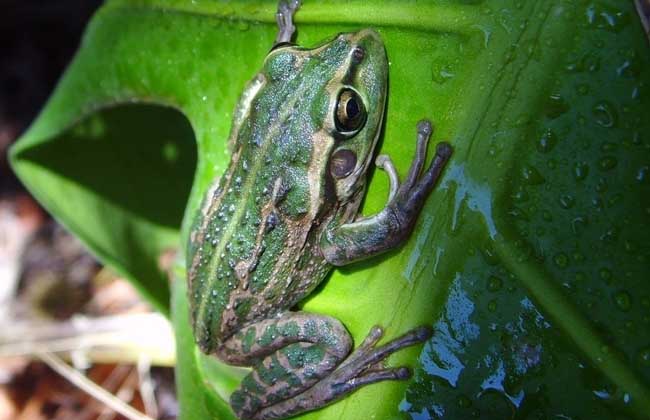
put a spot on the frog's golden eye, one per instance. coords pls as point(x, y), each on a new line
point(350, 112)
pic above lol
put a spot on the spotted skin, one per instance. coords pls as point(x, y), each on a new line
point(285, 212)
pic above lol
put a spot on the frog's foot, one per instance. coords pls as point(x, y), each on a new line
point(391, 227)
point(406, 199)
point(363, 367)
point(284, 17)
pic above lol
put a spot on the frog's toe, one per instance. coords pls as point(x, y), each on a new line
point(425, 128)
point(430, 177)
point(444, 150)
point(367, 358)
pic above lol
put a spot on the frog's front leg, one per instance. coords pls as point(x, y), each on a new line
point(389, 228)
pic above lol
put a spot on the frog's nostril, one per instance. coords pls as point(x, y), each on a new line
point(358, 54)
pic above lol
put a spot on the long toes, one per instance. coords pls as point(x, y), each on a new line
point(430, 177)
point(421, 334)
point(444, 150)
point(389, 374)
point(381, 160)
point(374, 335)
point(403, 373)
point(366, 347)
point(415, 336)
point(425, 128)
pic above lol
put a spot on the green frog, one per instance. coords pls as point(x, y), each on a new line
point(286, 211)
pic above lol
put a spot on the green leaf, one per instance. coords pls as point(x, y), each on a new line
point(531, 257)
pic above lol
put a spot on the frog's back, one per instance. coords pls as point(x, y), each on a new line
point(254, 250)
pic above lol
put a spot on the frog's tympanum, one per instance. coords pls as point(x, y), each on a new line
point(286, 211)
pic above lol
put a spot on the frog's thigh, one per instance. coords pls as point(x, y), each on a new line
point(289, 354)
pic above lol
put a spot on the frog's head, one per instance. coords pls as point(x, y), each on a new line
point(356, 108)
point(338, 92)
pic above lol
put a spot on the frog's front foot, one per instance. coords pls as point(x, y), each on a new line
point(406, 200)
point(363, 367)
point(284, 18)
point(392, 226)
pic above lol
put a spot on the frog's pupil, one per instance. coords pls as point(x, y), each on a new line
point(352, 108)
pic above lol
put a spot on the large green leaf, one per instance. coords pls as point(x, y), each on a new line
point(531, 258)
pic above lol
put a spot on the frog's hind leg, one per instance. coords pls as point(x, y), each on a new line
point(289, 354)
point(361, 368)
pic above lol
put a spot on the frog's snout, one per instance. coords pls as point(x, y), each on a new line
point(366, 46)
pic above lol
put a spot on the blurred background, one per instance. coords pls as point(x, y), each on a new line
point(53, 295)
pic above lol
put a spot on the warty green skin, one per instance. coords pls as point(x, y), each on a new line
point(273, 226)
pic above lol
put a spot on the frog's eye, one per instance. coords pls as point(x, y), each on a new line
point(350, 112)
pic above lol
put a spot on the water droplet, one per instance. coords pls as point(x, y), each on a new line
point(629, 69)
point(561, 260)
point(492, 305)
point(630, 247)
point(643, 174)
point(463, 401)
point(442, 73)
point(490, 256)
point(567, 201)
point(607, 18)
point(583, 89)
point(547, 216)
point(578, 224)
point(518, 213)
point(607, 163)
point(589, 62)
point(547, 141)
point(605, 114)
point(531, 175)
point(608, 147)
point(580, 170)
point(623, 300)
point(610, 235)
point(606, 275)
point(556, 106)
point(644, 356)
point(494, 284)
point(520, 195)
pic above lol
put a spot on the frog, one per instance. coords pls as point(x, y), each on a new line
point(286, 212)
